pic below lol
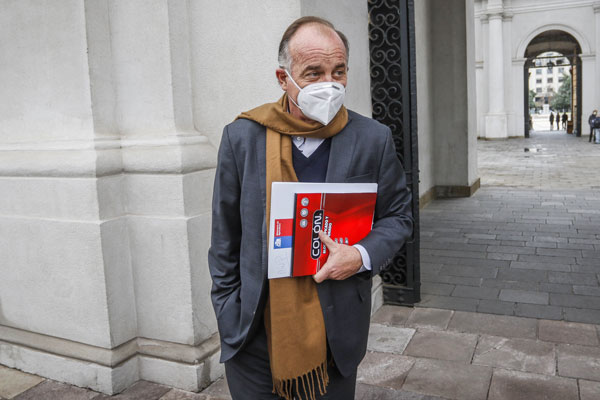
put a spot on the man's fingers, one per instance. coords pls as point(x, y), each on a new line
point(321, 275)
point(326, 240)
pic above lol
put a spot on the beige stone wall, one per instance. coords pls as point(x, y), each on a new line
point(111, 113)
point(446, 96)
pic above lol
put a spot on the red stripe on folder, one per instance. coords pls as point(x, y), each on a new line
point(284, 227)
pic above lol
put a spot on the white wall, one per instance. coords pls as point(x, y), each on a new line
point(224, 86)
point(234, 57)
point(597, 52)
point(524, 19)
point(105, 193)
point(53, 261)
point(110, 117)
point(45, 87)
point(350, 17)
point(425, 111)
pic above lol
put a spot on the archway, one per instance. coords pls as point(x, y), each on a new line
point(548, 50)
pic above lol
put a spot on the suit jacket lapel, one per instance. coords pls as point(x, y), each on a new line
point(261, 165)
point(340, 154)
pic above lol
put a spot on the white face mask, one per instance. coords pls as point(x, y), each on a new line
point(320, 101)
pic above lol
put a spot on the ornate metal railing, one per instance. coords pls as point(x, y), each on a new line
point(393, 93)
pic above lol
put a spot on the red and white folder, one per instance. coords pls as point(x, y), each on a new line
point(344, 211)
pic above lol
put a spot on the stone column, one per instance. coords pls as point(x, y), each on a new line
point(482, 75)
point(67, 303)
point(472, 172)
point(168, 165)
point(517, 98)
point(105, 186)
point(106, 175)
point(597, 20)
point(496, 121)
point(509, 77)
point(453, 103)
point(589, 90)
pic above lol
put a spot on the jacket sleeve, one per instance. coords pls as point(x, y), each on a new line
point(393, 222)
point(224, 252)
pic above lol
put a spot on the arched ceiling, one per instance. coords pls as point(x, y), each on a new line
point(553, 40)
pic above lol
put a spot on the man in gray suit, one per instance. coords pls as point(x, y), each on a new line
point(330, 144)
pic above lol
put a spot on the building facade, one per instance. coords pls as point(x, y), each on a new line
point(548, 73)
point(111, 113)
point(510, 34)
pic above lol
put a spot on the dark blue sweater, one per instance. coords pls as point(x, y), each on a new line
point(313, 168)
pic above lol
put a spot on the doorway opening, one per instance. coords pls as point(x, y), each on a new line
point(552, 82)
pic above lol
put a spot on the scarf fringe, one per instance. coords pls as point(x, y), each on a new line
point(286, 387)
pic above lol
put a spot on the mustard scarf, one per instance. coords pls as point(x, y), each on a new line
point(294, 322)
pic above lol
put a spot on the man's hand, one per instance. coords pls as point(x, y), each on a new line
point(343, 262)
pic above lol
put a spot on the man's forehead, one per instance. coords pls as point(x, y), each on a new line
point(315, 35)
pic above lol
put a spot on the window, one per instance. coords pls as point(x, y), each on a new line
point(538, 99)
point(549, 70)
point(538, 71)
point(538, 90)
point(560, 79)
point(550, 90)
point(561, 70)
point(538, 81)
point(550, 80)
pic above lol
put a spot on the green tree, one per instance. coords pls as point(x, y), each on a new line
point(562, 99)
point(531, 99)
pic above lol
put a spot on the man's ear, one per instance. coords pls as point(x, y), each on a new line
point(281, 78)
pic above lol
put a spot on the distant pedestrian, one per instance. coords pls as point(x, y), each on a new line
point(591, 122)
point(565, 118)
point(557, 120)
point(551, 121)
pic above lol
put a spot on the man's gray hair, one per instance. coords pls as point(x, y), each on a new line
point(285, 59)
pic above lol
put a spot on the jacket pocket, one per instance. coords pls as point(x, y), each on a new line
point(363, 178)
point(364, 286)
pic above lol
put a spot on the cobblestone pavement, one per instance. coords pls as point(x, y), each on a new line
point(547, 160)
point(421, 354)
point(514, 251)
point(528, 242)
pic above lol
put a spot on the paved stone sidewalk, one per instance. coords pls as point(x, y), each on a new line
point(463, 355)
point(546, 160)
point(528, 242)
point(514, 251)
point(421, 354)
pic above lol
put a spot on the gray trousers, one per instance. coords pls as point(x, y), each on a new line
point(249, 375)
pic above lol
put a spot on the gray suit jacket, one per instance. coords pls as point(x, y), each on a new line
point(362, 152)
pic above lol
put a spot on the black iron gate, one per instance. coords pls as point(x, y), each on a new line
point(393, 93)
